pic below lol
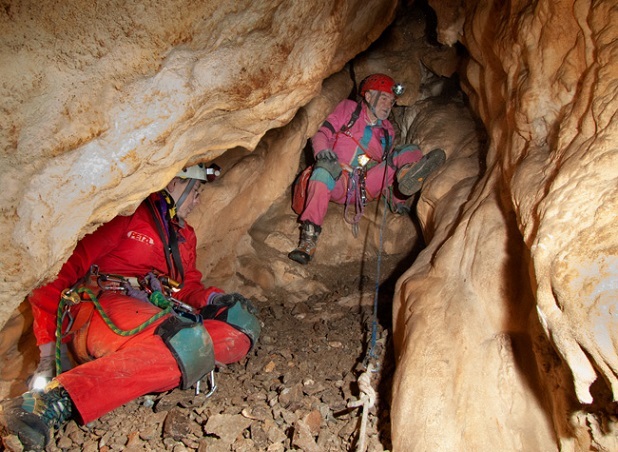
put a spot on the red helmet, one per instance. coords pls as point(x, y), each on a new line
point(380, 82)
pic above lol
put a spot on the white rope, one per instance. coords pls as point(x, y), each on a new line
point(367, 399)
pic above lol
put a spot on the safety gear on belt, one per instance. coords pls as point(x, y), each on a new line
point(309, 234)
point(410, 178)
point(357, 191)
point(46, 369)
point(31, 415)
point(381, 82)
point(235, 310)
point(144, 289)
point(191, 346)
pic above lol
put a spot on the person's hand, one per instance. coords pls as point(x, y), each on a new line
point(230, 299)
point(153, 282)
point(150, 281)
point(134, 291)
point(326, 154)
point(46, 370)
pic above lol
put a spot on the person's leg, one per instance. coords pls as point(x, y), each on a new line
point(125, 367)
point(230, 344)
point(411, 176)
point(320, 191)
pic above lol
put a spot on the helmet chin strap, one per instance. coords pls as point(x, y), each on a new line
point(372, 107)
point(185, 193)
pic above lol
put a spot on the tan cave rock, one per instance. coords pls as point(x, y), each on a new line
point(504, 327)
point(477, 331)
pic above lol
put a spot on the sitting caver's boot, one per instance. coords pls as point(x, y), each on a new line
point(31, 416)
point(309, 234)
point(410, 177)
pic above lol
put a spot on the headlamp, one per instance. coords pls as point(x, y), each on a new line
point(398, 89)
point(39, 383)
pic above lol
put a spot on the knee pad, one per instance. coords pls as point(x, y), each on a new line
point(237, 316)
point(191, 347)
point(332, 167)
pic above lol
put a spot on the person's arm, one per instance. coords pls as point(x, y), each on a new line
point(324, 139)
point(193, 291)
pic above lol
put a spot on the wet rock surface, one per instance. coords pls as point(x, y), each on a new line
point(291, 393)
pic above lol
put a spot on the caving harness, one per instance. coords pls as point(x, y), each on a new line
point(356, 186)
point(183, 333)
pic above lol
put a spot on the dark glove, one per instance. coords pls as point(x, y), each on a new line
point(230, 299)
point(326, 154)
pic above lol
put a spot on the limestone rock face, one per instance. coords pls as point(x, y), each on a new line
point(542, 223)
point(103, 103)
point(504, 327)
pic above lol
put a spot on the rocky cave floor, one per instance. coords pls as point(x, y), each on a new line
point(292, 391)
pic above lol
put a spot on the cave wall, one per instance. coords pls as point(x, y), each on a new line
point(103, 103)
point(529, 268)
point(505, 319)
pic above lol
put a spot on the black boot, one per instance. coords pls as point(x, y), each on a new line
point(410, 177)
point(31, 416)
point(309, 234)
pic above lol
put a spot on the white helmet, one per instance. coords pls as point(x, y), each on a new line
point(199, 172)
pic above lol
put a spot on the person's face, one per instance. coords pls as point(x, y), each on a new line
point(176, 188)
point(381, 102)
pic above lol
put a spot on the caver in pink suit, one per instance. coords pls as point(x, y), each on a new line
point(360, 139)
point(119, 368)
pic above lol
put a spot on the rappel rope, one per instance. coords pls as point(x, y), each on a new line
point(367, 400)
point(67, 297)
point(367, 396)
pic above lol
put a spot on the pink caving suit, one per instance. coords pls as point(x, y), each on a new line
point(122, 368)
point(322, 187)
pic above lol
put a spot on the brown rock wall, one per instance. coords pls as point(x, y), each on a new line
point(103, 103)
point(539, 78)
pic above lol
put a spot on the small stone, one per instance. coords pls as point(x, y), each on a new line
point(269, 367)
point(176, 424)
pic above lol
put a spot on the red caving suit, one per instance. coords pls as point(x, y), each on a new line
point(123, 368)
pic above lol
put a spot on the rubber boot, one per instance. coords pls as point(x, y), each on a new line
point(309, 234)
point(31, 416)
point(410, 177)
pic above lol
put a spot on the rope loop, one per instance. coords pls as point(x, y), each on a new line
point(92, 298)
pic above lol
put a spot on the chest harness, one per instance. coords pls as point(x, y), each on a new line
point(356, 188)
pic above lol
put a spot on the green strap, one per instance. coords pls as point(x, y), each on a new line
point(106, 319)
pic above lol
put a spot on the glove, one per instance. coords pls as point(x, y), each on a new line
point(230, 299)
point(153, 282)
point(46, 370)
point(150, 280)
point(326, 154)
point(134, 292)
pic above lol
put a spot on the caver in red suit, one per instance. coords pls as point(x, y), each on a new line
point(117, 369)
